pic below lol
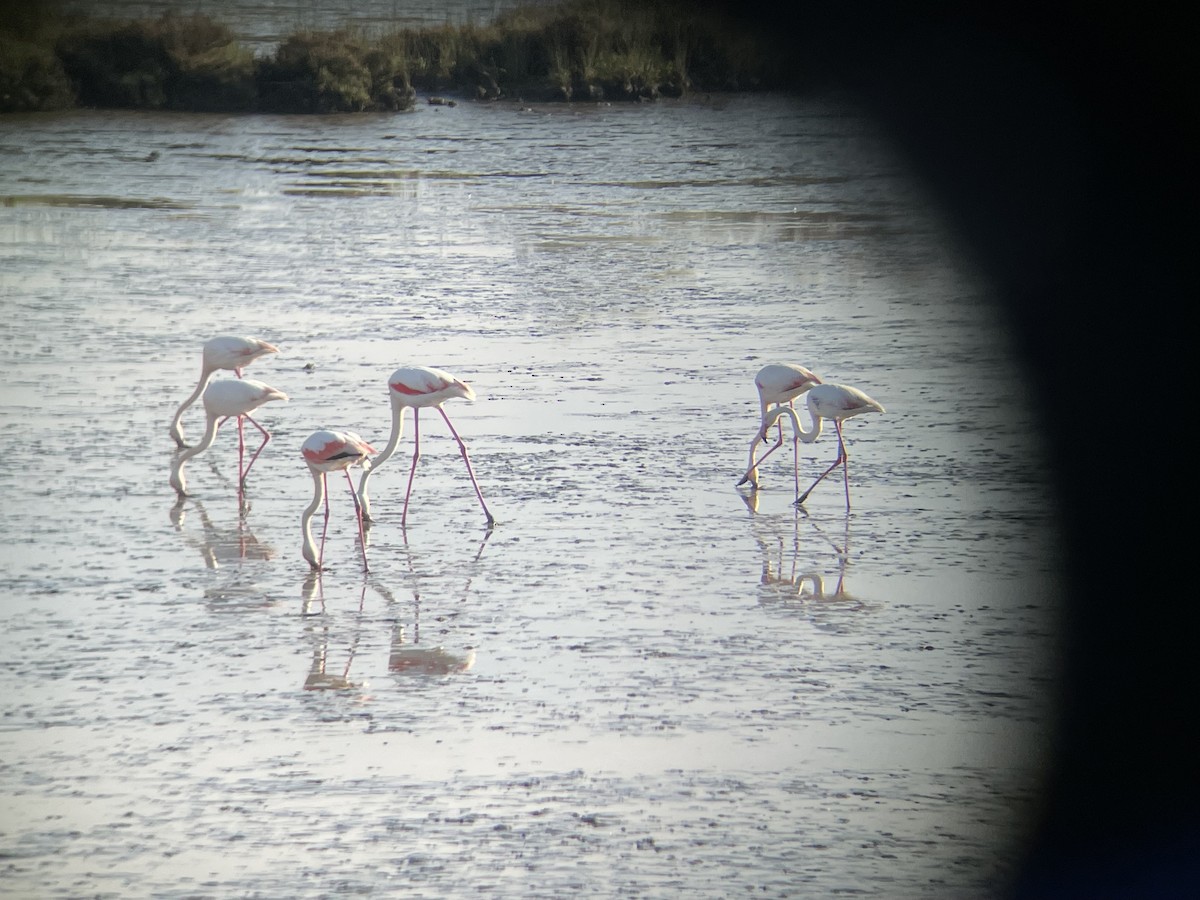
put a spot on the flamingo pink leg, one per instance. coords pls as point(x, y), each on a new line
point(778, 444)
point(462, 448)
point(266, 439)
point(325, 527)
point(241, 458)
point(795, 451)
point(845, 464)
point(842, 459)
point(416, 456)
point(243, 474)
point(362, 535)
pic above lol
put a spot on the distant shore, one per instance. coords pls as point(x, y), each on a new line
point(579, 50)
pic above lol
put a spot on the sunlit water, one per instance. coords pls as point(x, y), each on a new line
point(645, 681)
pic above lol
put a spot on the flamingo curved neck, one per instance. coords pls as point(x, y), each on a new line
point(817, 582)
point(210, 434)
point(773, 415)
point(393, 442)
point(770, 417)
point(310, 547)
point(394, 438)
point(176, 425)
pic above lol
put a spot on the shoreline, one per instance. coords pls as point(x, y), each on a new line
point(614, 51)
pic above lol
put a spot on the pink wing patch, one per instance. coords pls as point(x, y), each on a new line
point(324, 453)
point(432, 386)
point(852, 404)
point(257, 349)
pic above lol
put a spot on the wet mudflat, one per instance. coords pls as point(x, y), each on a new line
point(643, 680)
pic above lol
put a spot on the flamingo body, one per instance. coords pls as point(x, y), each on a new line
point(223, 352)
point(238, 397)
point(778, 383)
point(223, 400)
point(417, 388)
point(840, 402)
point(783, 382)
point(229, 352)
point(420, 386)
point(325, 452)
point(332, 451)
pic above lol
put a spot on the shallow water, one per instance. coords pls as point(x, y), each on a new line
point(643, 681)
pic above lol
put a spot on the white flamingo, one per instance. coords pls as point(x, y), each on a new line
point(325, 452)
point(825, 401)
point(778, 383)
point(418, 387)
point(224, 352)
point(223, 400)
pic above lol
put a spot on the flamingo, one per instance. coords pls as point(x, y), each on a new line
point(225, 352)
point(778, 383)
point(222, 400)
point(325, 452)
point(825, 401)
point(419, 387)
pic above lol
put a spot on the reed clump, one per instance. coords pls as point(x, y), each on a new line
point(596, 50)
point(32, 78)
point(31, 74)
point(323, 72)
point(578, 50)
point(174, 62)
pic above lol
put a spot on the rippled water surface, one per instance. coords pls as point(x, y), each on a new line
point(644, 681)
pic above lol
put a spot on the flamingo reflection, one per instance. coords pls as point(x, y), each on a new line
point(220, 545)
point(333, 657)
point(787, 584)
point(319, 677)
point(414, 658)
point(220, 477)
point(417, 659)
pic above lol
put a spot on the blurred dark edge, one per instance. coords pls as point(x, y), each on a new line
point(1059, 141)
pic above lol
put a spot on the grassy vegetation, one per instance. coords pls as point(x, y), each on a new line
point(319, 72)
point(581, 50)
point(174, 62)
